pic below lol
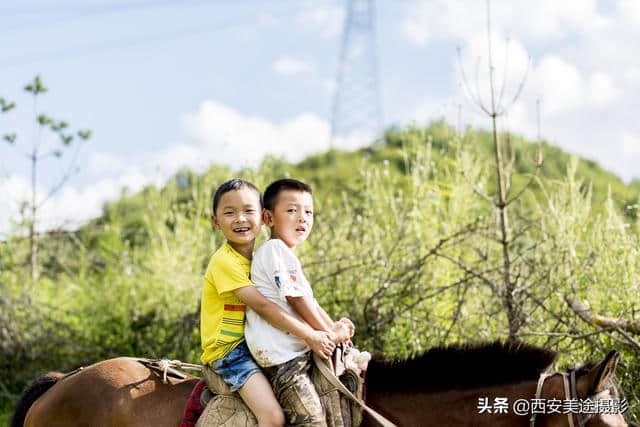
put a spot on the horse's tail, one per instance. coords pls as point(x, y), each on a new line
point(31, 394)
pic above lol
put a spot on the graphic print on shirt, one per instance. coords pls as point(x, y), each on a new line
point(284, 272)
point(232, 323)
point(294, 278)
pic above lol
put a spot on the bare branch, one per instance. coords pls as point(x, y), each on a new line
point(490, 62)
point(492, 285)
point(67, 175)
point(475, 99)
point(586, 314)
point(487, 110)
point(520, 86)
point(559, 334)
point(632, 341)
point(456, 315)
point(477, 190)
point(538, 118)
point(506, 69)
point(532, 178)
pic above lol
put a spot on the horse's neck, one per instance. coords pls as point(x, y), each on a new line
point(491, 394)
point(452, 407)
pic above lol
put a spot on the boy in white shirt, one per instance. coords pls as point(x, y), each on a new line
point(277, 274)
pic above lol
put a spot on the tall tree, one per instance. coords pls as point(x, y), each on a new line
point(511, 283)
point(36, 153)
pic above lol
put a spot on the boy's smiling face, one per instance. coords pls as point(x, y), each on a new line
point(238, 217)
point(292, 217)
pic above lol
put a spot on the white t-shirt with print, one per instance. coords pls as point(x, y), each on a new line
point(276, 272)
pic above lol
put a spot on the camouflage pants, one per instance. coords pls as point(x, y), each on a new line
point(292, 385)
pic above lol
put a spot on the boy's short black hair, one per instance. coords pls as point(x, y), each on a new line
point(272, 191)
point(232, 184)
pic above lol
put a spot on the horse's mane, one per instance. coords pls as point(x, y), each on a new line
point(460, 366)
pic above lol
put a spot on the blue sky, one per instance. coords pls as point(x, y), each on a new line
point(165, 84)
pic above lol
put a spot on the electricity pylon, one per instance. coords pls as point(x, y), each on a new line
point(356, 104)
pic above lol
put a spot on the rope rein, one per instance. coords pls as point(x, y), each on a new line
point(570, 393)
point(170, 366)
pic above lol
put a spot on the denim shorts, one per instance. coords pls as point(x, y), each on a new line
point(236, 367)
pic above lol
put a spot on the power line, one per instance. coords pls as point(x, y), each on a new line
point(115, 44)
point(105, 9)
point(110, 6)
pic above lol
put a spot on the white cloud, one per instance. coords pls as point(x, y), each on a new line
point(101, 162)
point(558, 84)
point(440, 19)
point(74, 205)
point(288, 65)
point(176, 157)
point(584, 69)
point(431, 109)
point(631, 76)
point(616, 150)
point(601, 89)
point(630, 145)
point(14, 190)
point(229, 137)
point(221, 135)
point(71, 206)
point(586, 79)
point(584, 108)
point(459, 20)
point(629, 9)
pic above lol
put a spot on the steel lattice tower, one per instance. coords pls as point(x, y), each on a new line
point(356, 104)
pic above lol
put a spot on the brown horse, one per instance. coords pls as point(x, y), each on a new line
point(443, 387)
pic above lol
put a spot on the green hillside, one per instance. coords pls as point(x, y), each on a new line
point(334, 170)
point(336, 167)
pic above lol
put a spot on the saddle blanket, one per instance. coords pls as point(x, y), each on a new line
point(193, 409)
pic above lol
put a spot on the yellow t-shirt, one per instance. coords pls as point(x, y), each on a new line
point(221, 312)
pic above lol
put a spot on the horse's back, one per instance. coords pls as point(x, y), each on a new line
point(117, 392)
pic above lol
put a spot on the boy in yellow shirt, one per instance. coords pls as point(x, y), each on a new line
point(227, 290)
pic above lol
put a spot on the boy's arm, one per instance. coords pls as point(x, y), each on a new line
point(345, 320)
point(306, 307)
point(324, 315)
point(320, 341)
point(317, 318)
